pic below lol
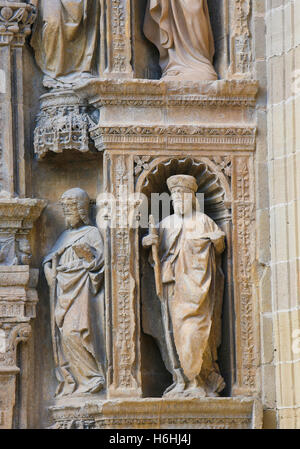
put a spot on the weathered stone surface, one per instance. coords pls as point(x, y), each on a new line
point(237, 137)
point(161, 414)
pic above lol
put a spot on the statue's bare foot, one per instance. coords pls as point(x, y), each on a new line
point(174, 390)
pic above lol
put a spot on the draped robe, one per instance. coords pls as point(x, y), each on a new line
point(193, 287)
point(181, 31)
point(66, 38)
point(79, 312)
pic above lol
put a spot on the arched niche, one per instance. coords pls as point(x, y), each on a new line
point(216, 187)
point(211, 181)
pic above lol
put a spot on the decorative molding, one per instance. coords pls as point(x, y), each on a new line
point(137, 92)
point(174, 136)
point(243, 213)
point(141, 163)
point(123, 287)
point(223, 164)
point(223, 413)
point(16, 19)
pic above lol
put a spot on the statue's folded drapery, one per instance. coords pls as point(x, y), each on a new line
point(79, 312)
point(191, 271)
point(66, 38)
point(181, 31)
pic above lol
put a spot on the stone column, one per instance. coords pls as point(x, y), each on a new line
point(18, 299)
point(18, 296)
point(122, 283)
point(15, 21)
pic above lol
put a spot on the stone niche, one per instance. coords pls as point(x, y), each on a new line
point(125, 127)
point(149, 131)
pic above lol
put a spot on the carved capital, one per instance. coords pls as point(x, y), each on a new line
point(16, 19)
point(17, 217)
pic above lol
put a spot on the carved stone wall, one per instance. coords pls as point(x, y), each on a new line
point(141, 147)
point(125, 132)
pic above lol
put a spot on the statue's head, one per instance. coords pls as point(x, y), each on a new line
point(75, 204)
point(183, 189)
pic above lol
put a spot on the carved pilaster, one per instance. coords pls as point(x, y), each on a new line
point(18, 297)
point(243, 217)
point(119, 39)
point(241, 45)
point(123, 306)
point(16, 19)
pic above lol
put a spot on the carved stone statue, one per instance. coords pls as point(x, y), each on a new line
point(181, 31)
point(186, 249)
point(74, 270)
point(66, 40)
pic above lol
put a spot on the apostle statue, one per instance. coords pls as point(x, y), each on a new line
point(74, 270)
point(181, 31)
point(186, 255)
point(66, 40)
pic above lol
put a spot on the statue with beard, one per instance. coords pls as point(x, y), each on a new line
point(186, 255)
point(74, 270)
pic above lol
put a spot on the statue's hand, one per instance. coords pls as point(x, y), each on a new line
point(50, 276)
point(84, 251)
point(150, 240)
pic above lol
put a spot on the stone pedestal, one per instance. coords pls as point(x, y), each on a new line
point(217, 413)
point(18, 299)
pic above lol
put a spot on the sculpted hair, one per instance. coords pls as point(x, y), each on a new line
point(83, 202)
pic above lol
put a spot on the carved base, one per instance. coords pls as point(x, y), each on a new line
point(206, 413)
point(62, 124)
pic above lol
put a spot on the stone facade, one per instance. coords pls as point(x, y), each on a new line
point(85, 143)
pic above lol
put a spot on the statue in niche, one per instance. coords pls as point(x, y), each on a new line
point(74, 270)
point(66, 41)
point(181, 31)
point(186, 256)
